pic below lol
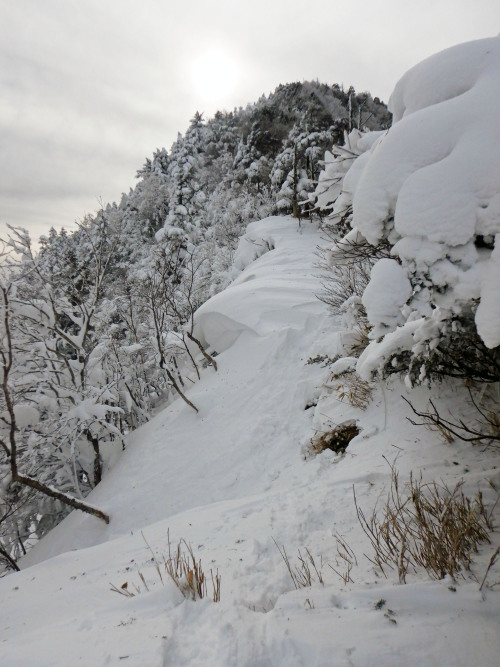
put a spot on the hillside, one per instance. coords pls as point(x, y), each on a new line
point(232, 479)
point(101, 320)
point(304, 417)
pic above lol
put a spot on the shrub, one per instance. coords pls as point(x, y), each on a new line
point(485, 429)
point(351, 388)
point(336, 440)
point(427, 526)
point(434, 348)
point(431, 299)
point(183, 568)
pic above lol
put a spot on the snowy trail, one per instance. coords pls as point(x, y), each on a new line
point(181, 460)
point(232, 479)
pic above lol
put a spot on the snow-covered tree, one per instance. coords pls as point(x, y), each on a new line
point(102, 319)
point(37, 431)
point(429, 188)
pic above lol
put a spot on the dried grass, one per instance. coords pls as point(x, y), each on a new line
point(336, 440)
point(351, 388)
point(183, 568)
point(307, 572)
point(491, 563)
point(345, 560)
point(187, 573)
point(304, 574)
point(343, 282)
point(429, 526)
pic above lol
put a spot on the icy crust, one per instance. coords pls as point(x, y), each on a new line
point(431, 187)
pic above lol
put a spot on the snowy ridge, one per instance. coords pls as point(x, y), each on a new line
point(233, 478)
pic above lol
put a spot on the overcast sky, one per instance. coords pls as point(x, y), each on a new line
point(90, 88)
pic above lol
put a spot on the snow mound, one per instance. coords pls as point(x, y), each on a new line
point(387, 292)
point(431, 188)
point(441, 77)
point(437, 170)
point(275, 282)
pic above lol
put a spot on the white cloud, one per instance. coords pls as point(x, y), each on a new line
point(90, 89)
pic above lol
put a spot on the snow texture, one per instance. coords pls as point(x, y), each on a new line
point(488, 312)
point(431, 187)
point(233, 478)
point(239, 476)
point(387, 292)
point(438, 166)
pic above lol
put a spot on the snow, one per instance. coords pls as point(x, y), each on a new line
point(443, 76)
point(343, 170)
point(257, 241)
point(343, 365)
point(430, 186)
point(249, 304)
point(131, 349)
point(387, 292)
point(26, 415)
point(488, 312)
point(233, 478)
point(432, 174)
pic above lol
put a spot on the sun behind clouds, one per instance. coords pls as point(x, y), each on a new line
point(213, 75)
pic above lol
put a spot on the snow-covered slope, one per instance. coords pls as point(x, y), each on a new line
point(232, 479)
point(257, 397)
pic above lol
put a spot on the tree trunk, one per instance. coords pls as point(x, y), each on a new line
point(295, 206)
point(207, 356)
point(97, 457)
point(59, 495)
point(10, 561)
point(177, 389)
